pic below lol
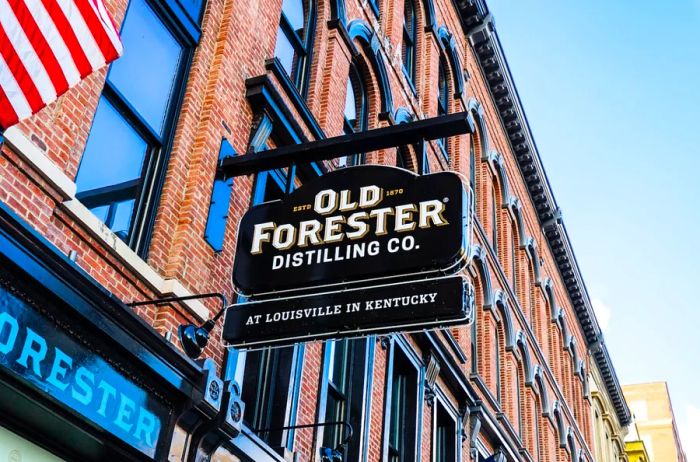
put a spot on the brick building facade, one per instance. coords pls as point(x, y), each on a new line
point(115, 187)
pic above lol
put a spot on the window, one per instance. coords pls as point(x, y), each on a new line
point(494, 222)
point(295, 40)
point(402, 410)
point(409, 39)
point(442, 100)
point(126, 151)
point(355, 112)
point(518, 402)
point(345, 399)
point(497, 363)
point(514, 259)
point(266, 390)
point(445, 443)
point(472, 164)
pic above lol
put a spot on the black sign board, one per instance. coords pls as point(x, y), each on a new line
point(402, 306)
point(353, 224)
point(52, 362)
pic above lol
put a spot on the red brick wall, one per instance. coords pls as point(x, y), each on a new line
point(237, 37)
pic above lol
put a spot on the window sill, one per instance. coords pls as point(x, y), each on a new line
point(66, 189)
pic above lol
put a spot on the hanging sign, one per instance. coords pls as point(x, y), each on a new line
point(369, 310)
point(353, 224)
point(33, 349)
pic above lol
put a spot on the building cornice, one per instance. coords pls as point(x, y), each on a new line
point(480, 29)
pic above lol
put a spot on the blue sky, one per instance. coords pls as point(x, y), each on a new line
point(612, 94)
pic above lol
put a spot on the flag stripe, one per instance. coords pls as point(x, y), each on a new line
point(19, 75)
point(54, 38)
point(41, 46)
point(48, 46)
point(30, 60)
point(97, 30)
point(109, 25)
point(8, 116)
point(69, 37)
point(17, 104)
point(82, 32)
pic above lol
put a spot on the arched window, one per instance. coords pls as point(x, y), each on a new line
point(518, 402)
point(442, 99)
point(497, 364)
point(472, 164)
point(355, 112)
point(294, 40)
point(410, 32)
point(494, 222)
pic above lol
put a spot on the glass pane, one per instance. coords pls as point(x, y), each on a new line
point(114, 152)
point(122, 218)
point(293, 10)
point(442, 89)
point(284, 51)
point(340, 360)
point(146, 72)
point(350, 104)
point(101, 212)
point(193, 8)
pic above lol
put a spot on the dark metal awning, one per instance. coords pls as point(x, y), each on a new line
point(345, 145)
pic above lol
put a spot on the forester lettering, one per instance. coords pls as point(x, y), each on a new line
point(335, 229)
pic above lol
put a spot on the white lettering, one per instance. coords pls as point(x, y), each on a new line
point(261, 235)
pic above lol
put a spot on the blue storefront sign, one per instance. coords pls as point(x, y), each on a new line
point(54, 362)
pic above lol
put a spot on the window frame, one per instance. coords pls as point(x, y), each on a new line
point(408, 43)
point(494, 220)
point(149, 185)
point(356, 80)
point(443, 100)
point(443, 404)
point(360, 383)
point(303, 47)
point(413, 364)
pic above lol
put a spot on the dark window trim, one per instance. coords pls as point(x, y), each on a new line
point(275, 66)
point(356, 78)
point(441, 400)
point(375, 7)
point(399, 343)
point(409, 39)
point(302, 46)
point(326, 387)
point(443, 106)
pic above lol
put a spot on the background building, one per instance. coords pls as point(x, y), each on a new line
point(609, 430)
point(654, 421)
point(110, 196)
point(635, 449)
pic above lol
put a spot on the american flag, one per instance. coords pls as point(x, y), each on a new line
point(46, 47)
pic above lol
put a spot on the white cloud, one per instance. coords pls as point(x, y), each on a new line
point(602, 313)
point(689, 429)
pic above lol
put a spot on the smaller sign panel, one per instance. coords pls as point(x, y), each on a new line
point(388, 308)
point(353, 224)
point(53, 362)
